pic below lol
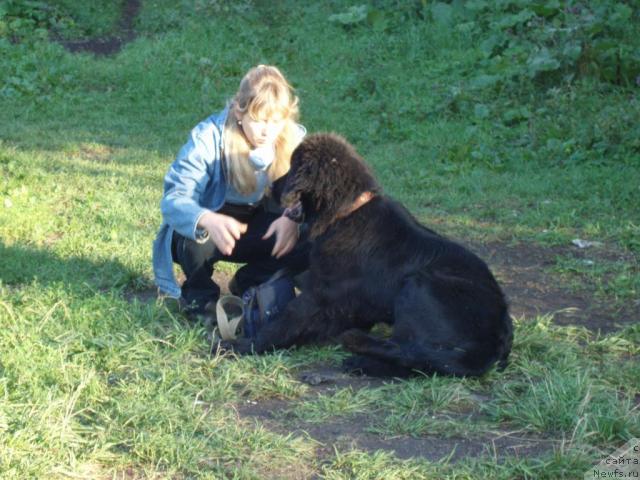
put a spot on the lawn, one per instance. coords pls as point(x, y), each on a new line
point(511, 126)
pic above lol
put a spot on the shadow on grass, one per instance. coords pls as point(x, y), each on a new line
point(24, 265)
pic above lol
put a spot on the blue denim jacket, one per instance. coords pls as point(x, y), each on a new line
point(194, 184)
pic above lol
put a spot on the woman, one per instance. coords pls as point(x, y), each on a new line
point(220, 197)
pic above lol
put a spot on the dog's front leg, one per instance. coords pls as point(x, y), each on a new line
point(300, 323)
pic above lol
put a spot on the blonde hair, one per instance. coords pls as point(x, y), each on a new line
point(263, 93)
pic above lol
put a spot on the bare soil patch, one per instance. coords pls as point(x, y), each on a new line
point(110, 45)
point(523, 270)
point(354, 432)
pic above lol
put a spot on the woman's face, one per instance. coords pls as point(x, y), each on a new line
point(263, 132)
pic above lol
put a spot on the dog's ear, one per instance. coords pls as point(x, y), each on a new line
point(330, 171)
point(343, 173)
point(302, 173)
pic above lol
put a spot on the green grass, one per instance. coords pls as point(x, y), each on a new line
point(95, 382)
point(614, 281)
point(91, 19)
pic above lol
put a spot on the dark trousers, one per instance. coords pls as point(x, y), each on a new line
point(198, 259)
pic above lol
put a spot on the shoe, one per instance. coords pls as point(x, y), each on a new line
point(188, 308)
point(234, 289)
point(197, 313)
point(208, 316)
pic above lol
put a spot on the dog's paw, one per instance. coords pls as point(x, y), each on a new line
point(221, 346)
point(354, 365)
point(240, 346)
point(353, 339)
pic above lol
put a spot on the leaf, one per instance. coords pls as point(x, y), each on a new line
point(510, 21)
point(621, 14)
point(605, 47)
point(483, 81)
point(442, 14)
point(491, 44)
point(481, 110)
point(542, 61)
point(515, 115)
point(594, 28)
point(377, 19)
point(352, 16)
point(547, 8)
point(572, 51)
point(476, 5)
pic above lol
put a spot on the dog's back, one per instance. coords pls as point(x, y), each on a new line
point(449, 313)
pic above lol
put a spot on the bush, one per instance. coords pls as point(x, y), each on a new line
point(24, 19)
point(551, 40)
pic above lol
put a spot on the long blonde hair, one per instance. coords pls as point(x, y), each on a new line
point(263, 93)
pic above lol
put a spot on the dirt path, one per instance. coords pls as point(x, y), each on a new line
point(354, 432)
point(113, 44)
point(523, 270)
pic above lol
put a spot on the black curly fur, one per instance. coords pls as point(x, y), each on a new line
point(378, 264)
point(329, 186)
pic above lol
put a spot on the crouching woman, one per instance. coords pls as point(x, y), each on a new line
point(221, 194)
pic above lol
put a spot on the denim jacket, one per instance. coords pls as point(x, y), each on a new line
point(194, 184)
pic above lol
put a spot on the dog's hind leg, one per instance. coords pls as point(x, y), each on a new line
point(379, 353)
point(408, 356)
point(429, 335)
point(363, 365)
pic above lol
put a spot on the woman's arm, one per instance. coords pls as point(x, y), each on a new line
point(187, 179)
point(222, 229)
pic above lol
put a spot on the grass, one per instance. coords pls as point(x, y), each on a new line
point(95, 382)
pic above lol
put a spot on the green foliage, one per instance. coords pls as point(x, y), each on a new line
point(547, 41)
point(163, 15)
point(550, 42)
point(32, 20)
point(20, 19)
point(558, 40)
point(98, 18)
point(25, 74)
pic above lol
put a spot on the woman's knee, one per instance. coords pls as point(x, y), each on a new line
point(189, 252)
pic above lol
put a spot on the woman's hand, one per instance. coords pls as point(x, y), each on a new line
point(223, 230)
point(286, 236)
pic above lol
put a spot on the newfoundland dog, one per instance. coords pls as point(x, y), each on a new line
point(370, 262)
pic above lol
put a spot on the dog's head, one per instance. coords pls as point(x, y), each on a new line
point(327, 176)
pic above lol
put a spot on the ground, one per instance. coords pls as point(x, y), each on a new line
point(532, 287)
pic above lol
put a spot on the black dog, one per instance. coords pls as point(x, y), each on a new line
point(371, 262)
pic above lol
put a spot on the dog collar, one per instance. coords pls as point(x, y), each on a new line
point(362, 199)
